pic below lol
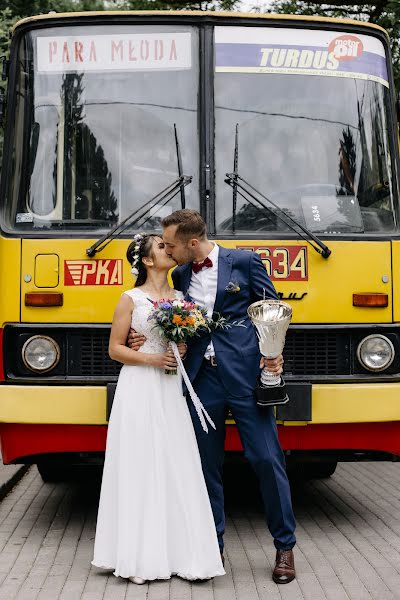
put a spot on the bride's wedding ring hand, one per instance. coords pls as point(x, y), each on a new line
point(170, 360)
point(163, 360)
point(135, 340)
point(272, 365)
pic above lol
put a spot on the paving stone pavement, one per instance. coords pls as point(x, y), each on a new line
point(348, 542)
point(9, 475)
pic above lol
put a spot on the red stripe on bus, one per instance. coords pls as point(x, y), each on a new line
point(19, 440)
point(384, 437)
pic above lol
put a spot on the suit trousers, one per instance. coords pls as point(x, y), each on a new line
point(259, 436)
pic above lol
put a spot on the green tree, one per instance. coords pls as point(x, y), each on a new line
point(179, 5)
point(385, 13)
point(23, 8)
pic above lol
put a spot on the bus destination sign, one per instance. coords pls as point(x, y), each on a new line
point(124, 52)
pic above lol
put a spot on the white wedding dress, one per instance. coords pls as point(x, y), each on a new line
point(154, 517)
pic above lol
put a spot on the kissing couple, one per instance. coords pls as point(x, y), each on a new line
point(161, 510)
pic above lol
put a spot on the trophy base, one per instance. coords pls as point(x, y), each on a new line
point(271, 395)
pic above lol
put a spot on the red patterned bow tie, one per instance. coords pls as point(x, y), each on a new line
point(206, 264)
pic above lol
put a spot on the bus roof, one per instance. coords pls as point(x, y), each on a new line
point(196, 13)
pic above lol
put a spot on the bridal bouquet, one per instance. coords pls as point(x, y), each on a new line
point(179, 320)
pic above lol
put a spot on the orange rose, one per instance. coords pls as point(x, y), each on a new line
point(177, 320)
point(190, 321)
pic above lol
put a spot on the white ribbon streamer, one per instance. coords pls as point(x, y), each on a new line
point(201, 411)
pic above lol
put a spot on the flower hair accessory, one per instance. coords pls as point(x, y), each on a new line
point(138, 239)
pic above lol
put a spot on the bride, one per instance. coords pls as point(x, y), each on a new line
point(154, 517)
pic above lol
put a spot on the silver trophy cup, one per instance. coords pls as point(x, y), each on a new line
point(271, 319)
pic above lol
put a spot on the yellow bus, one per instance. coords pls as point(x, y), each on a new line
point(280, 130)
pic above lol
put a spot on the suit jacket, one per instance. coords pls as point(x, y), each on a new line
point(236, 349)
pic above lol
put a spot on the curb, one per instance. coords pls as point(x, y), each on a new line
point(7, 486)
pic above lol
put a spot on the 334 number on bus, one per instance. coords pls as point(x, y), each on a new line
point(283, 262)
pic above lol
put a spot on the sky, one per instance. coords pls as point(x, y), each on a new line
point(247, 5)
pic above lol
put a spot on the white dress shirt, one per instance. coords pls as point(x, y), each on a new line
point(203, 290)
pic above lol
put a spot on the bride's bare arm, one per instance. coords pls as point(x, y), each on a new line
point(119, 331)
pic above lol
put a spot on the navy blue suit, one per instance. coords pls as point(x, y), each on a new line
point(231, 384)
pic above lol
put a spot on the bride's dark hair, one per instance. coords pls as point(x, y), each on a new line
point(137, 250)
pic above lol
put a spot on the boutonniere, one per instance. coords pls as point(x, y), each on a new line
point(233, 287)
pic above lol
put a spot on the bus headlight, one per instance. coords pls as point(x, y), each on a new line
point(375, 352)
point(40, 353)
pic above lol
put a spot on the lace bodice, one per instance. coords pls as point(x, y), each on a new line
point(140, 323)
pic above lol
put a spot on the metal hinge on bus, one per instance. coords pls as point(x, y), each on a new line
point(207, 179)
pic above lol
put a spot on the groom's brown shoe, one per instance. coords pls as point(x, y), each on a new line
point(223, 559)
point(284, 567)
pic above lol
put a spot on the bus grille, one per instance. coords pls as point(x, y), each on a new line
point(93, 359)
point(307, 353)
point(317, 353)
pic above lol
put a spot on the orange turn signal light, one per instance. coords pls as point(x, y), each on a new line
point(371, 300)
point(44, 299)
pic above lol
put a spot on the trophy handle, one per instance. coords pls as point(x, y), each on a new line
point(268, 378)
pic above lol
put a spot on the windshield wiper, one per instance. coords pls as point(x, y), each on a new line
point(160, 199)
point(180, 172)
point(165, 196)
point(233, 181)
point(235, 170)
point(238, 183)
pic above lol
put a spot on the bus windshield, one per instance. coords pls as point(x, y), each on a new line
point(94, 129)
point(97, 109)
point(313, 140)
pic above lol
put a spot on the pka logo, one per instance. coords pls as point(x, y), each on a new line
point(93, 272)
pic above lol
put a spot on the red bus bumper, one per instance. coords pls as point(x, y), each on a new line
point(19, 442)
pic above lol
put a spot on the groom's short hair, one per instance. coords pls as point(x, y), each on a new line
point(190, 224)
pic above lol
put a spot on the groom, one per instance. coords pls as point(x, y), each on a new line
point(223, 367)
